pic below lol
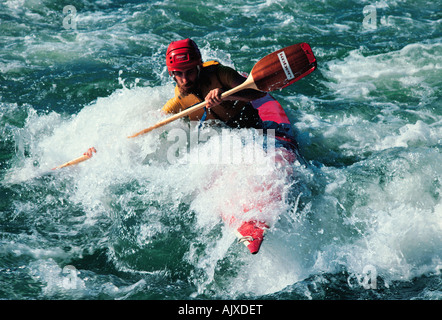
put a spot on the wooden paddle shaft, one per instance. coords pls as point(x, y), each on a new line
point(248, 84)
point(87, 155)
point(72, 162)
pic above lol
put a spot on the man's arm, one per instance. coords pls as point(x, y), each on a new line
point(232, 79)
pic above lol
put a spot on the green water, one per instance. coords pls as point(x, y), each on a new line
point(127, 224)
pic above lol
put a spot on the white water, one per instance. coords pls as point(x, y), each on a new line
point(383, 212)
point(370, 199)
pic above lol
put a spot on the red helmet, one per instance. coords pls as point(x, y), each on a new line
point(182, 55)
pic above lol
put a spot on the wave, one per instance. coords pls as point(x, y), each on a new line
point(412, 73)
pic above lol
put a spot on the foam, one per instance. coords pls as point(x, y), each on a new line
point(413, 135)
point(359, 76)
point(391, 218)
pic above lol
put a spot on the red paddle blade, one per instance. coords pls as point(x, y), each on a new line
point(283, 67)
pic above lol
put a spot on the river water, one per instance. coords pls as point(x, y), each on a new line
point(361, 220)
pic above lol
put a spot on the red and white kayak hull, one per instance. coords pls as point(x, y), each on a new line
point(251, 233)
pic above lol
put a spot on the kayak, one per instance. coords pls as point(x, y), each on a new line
point(251, 232)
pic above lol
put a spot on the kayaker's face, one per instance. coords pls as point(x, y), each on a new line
point(186, 79)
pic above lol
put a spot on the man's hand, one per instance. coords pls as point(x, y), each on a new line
point(213, 98)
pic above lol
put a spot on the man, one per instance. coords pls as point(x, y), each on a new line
point(197, 81)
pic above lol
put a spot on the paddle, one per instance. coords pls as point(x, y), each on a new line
point(275, 71)
point(87, 155)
